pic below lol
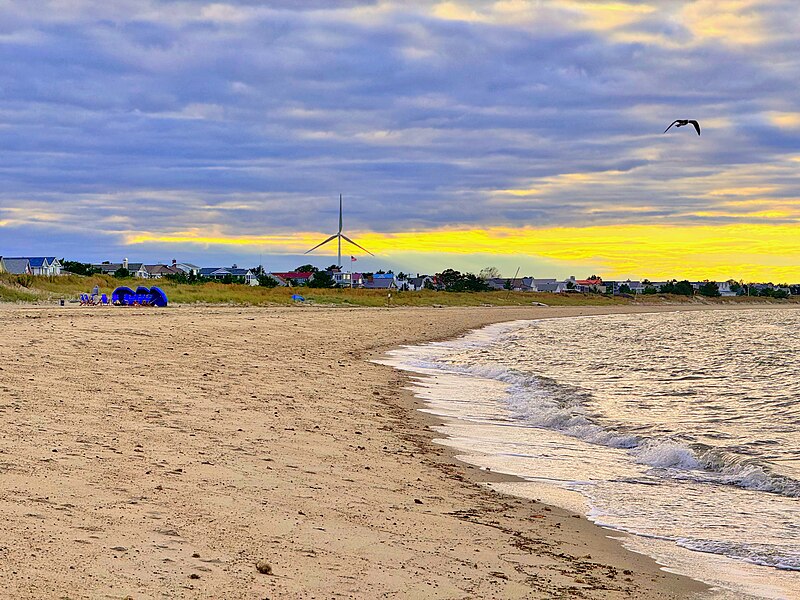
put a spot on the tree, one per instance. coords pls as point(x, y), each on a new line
point(649, 289)
point(306, 269)
point(333, 268)
point(709, 289)
point(321, 279)
point(122, 273)
point(449, 278)
point(570, 285)
point(78, 268)
point(489, 273)
point(266, 281)
point(680, 288)
point(455, 281)
point(625, 289)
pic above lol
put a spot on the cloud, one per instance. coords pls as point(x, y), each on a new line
point(244, 120)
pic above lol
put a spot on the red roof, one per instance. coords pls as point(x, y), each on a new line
point(597, 281)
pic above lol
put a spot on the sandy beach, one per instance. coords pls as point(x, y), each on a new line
point(163, 453)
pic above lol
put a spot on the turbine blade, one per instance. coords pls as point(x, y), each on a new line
point(357, 245)
point(340, 213)
point(330, 239)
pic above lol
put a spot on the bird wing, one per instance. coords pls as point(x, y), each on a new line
point(670, 125)
point(354, 244)
point(333, 237)
point(696, 126)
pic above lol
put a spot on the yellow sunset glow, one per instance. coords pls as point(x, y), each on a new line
point(753, 252)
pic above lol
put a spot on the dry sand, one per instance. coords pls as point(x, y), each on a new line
point(162, 453)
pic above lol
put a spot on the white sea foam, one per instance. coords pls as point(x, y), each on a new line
point(786, 559)
point(707, 427)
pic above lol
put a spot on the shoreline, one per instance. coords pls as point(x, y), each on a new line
point(181, 446)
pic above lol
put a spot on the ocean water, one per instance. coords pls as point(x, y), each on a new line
point(681, 428)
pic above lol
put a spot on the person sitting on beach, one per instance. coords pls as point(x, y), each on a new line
point(95, 294)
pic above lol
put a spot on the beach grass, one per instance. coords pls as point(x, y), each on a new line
point(28, 288)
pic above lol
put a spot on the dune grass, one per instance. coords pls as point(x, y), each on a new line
point(27, 288)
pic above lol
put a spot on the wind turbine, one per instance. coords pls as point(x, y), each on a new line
point(340, 236)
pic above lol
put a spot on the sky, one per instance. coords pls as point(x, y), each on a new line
point(463, 134)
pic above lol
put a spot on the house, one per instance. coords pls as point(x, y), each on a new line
point(136, 270)
point(292, 278)
point(554, 287)
point(517, 284)
point(343, 279)
point(635, 287)
point(592, 284)
point(725, 289)
point(17, 266)
point(41, 265)
point(381, 281)
point(219, 273)
point(159, 271)
point(420, 282)
point(187, 268)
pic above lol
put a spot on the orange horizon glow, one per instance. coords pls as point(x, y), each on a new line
point(754, 252)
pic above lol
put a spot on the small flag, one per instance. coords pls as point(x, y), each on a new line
point(353, 259)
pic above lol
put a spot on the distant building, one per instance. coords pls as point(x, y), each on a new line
point(292, 278)
point(40, 265)
point(517, 284)
point(381, 281)
point(187, 268)
point(592, 285)
point(17, 266)
point(136, 270)
point(220, 273)
point(2, 265)
point(159, 271)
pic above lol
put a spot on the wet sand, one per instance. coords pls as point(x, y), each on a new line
point(162, 453)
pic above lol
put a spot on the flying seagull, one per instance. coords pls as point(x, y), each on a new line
point(682, 122)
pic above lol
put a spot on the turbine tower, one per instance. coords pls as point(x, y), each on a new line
point(339, 236)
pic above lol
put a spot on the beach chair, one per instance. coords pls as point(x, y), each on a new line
point(104, 300)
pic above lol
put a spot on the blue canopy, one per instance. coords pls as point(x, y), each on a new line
point(159, 298)
point(121, 293)
point(298, 298)
point(142, 290)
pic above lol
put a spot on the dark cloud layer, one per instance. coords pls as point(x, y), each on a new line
point(250, 117)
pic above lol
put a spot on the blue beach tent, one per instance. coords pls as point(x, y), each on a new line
point(121, 295)
point(298, 298)
point(158, 297)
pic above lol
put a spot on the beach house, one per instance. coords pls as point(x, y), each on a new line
point(136, 269)
point(381, 281)
point(17, 266)
point(235, 272)
point(292, 278)
point(159, 271)
point(517, 284)
point(40, 265)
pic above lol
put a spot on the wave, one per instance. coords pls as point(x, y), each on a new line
point(711, 465)
point(786, 559)
point(540, 402)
